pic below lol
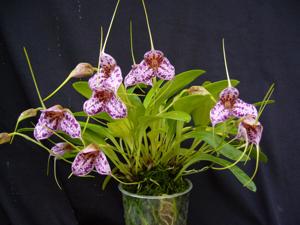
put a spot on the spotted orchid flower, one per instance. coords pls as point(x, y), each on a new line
point(56, 118)
point(89, 158)
point(229, 106)
point(109, 76)
point(153, 65)
point(59, 149)
point(250, 130)
point(105, 101)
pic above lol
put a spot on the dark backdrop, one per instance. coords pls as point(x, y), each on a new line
point(262, 38)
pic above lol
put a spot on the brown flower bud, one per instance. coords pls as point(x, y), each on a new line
point(4, 138)
point(83, 70)
point(197, 90)
point(28, 113)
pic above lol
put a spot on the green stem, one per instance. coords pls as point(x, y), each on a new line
point(33, 78)
point(110, 25)
point(225, 62)
point(101, 45)
point(58, 88)
point(131, 43)
point(39, 144)
point(148, 25)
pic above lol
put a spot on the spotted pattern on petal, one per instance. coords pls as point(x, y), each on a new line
point(84, 163)
point(61, 148)
point(106, 60)
point(102, 165)
point(94, 105)
point(116, 108)
point(242, 109)
point(250, 130)
point(228, 96)
point(219, 113)
point(70, 125)
point(41, 132)
point(96, 81)
point(114, 81)
point(166, 71)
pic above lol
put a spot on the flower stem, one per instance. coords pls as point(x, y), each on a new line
point(148, 25)
point(58, 88)
point(131, 43)
point(225, 62)
point(110, 25)
point(33, 78)
point(101, 45)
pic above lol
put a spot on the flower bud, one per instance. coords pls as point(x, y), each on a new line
point(28, 114)
point(4, 138)
point(197, 90)
point(83, 70)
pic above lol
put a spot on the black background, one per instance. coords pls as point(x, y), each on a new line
point(262, 40)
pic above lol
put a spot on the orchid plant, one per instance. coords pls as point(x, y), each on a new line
point(153, 130)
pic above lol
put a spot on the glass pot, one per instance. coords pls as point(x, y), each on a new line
point(156, 210)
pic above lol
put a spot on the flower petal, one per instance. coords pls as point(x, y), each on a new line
point(114, 81)
point(229, 94)
point(70, 125)
point(41, 131)
point(250, 130)
point(116, 108)
point(241, 109)
point(102, 165)
point(94, 105)
point(219, 113)
point(106, 60)
point(61, 148)
point(139, 74)
point(153, 54)
point(166, 70)
point(84, 162)
point(96, 81)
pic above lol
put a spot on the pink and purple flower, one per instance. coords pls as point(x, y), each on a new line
point(250, 130)
point(56, 118)
point(89, 158)
point(229, 106)
point(154, 64)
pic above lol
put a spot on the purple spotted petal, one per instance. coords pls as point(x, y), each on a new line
point(70, 125)
point(102, 165)
point(139, 74)
point(84, 162)
point(219, 113)
point(229, 94)
point(103, 81)
point(114, 81)
point(106, 60)
point(153, 54)
point(250, 130)
point(94, 105)
point(61, 148)
point(241, 109)
point(116, 108)
point(166, 70)
point(41, 132)
point(96, 81)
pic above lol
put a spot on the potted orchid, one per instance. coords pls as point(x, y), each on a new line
point(150, 132)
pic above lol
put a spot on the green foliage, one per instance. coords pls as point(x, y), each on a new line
point(165, 136)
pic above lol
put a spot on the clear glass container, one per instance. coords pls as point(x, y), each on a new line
point(156, 210)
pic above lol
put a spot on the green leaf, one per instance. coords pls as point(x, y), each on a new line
point(216, 142)
point(151, 93)
point(175, 115)
point(262, 102)
point(237, 172)
point(102, 115)
point(177, 84)
point(83, 88)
